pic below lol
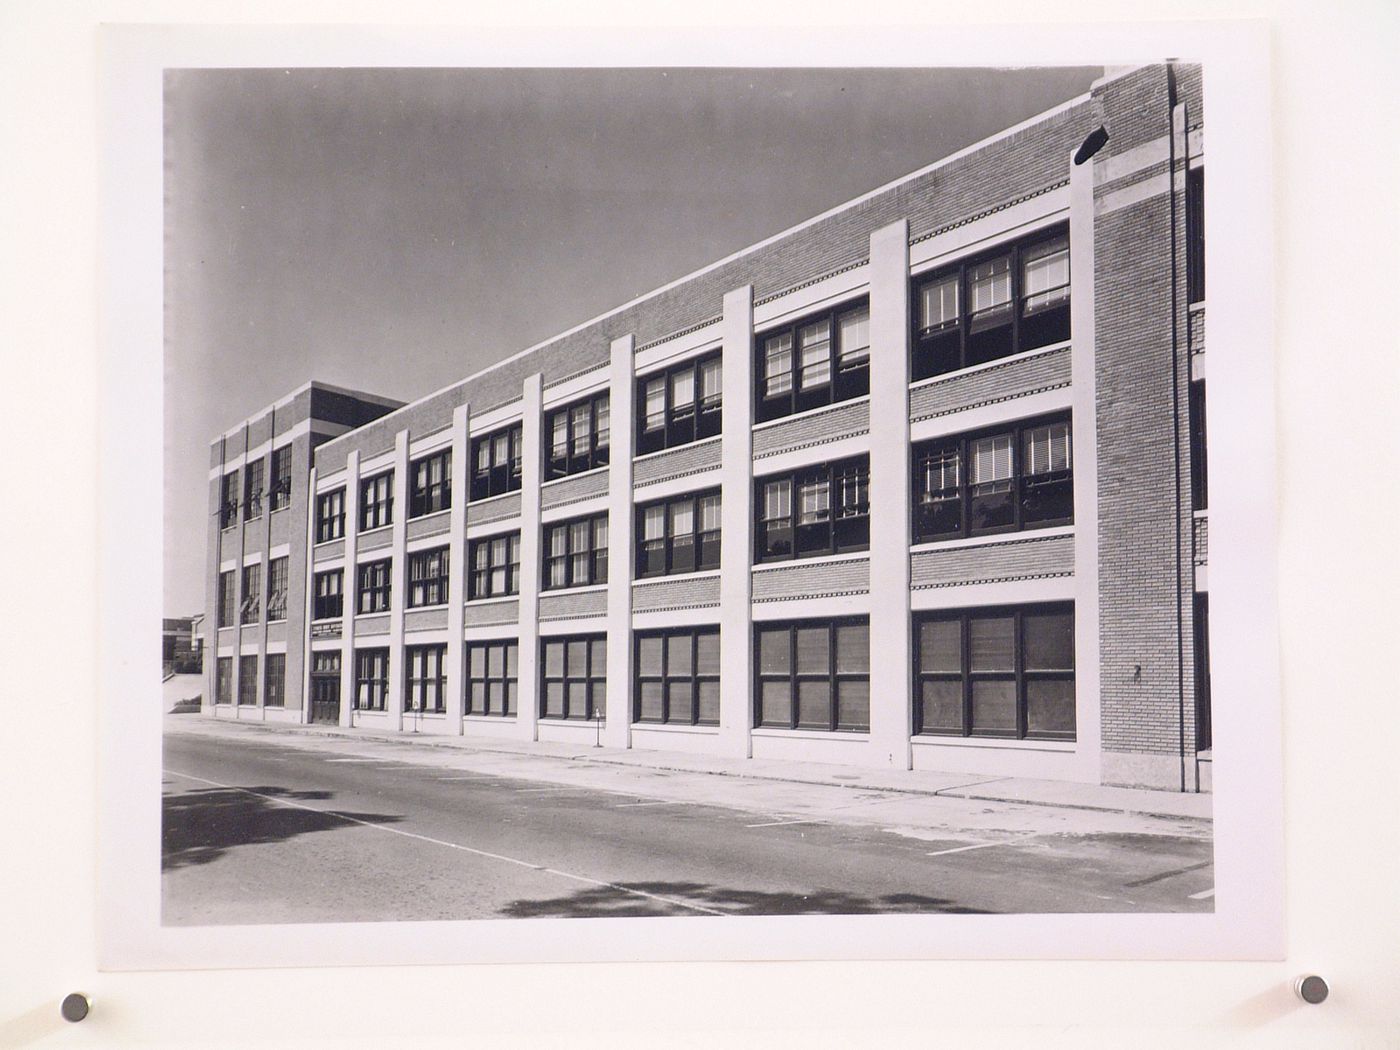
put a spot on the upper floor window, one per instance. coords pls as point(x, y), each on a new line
point(496, 462)
point(377, 501)
point(820, 359)
point(252, 594)
point(228, 500)
point(252, 490)
point(1196, 234)
point(679, 535)
point(328, 600)
point(1013, 477)
point(579, 436)
point(280, 491)
point(1197, 408)
point(374, 586)
point(226, 598)
point(330, 516)
point(495, 563)
point(430, 484)
point(821, 509)
point(277, 589)
point(427, 577)
point(992, 306)
point(576, 552)
point(679, 405)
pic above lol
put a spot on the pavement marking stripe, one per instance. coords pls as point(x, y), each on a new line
point(466, 778)
point(1203, 895)
point(457, 846)
point(628, 805)
point(978, 845)
point(354, 760)
point(542, 791)
point(1167, 875)
point(780, 823)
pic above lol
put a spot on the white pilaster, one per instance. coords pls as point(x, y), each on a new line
point(617, 731)
point(891, 689)
point(736, 517)
point(398, 592)
point(308, 596)
point(349, 587)
point(527, 716)
point(457, 569)
point(1084, 421)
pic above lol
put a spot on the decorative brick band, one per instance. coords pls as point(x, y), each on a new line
point(995, 579)
point(680, 333)
point(808, 283)
point(676, 608)
point(574, 375)
point(809, 596)
point(805, 563)
point(813, 444)
point(990, 211)
point(988, 401)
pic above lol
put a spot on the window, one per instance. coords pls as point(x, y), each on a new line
point(371, 679)
point(813, 674)
point(228, 500)
point(822, 509)
point(495, 563)
point(223, 680)
point(821, 359)
point(496, 462)
point(374, 586)
point(275, 680)
point(679, 535)
point(427, 577)
point(330, 516)
point(1196, 235)
point(280, 494)
point(425, 688)
point(678, 677)
point(1013, 478)
point(247, 680)
point(680, 405)
point(576, 552)
point(969, 314)
point(251, 609)
point(1200, 624)
point(1200, 491)
point(492, 678)
point(377, 501)
point(327, 602)
point(252, 490)
point(579, 436)
point(226, 599)
point(430, 484)
point(277, 589)
point(995, 672)
point(574, 683)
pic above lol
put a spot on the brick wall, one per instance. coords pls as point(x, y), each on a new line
point(812, 580)
point(424, 620)
point(684, 593)
point(1034, 557)
point(497, 508)
point(572, 490)
point(1049, 370)
point(567, 606)
point(677, 463)
point(431, 525)
point(837, 422)
point(366, 626)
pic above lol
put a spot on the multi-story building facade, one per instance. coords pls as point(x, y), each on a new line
point(917, 484)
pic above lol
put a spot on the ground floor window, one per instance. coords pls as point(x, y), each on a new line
point(275, 680)
point(678, 676)
point(223, 680)
point(1000, 672)
point(1201, 631)
point(247, 680)
point(813, 674)
point(574, 683)
point(425, 687)
point(493, 675)
point(371, 679)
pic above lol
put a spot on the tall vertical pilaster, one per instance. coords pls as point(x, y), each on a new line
point(398, 592)
point(527, 716)
point(307, 597)
point(891, 688)
point(736, 517)
point(618, 730)
point(457, 568)
point(349, 589)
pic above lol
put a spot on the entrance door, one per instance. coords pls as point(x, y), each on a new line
point(325, 688)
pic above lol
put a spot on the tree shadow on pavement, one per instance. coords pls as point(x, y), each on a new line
point(608, 901)
point(200, 826)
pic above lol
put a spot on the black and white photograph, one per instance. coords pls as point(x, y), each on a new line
point(685, 492)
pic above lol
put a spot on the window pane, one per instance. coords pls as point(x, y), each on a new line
point(554, 699)
point(678, 662)
point(651, 701)
point(1049, 641)
point(1046, 273)
point(495, 698)
point(940, 647)
point(777, 364)
point(707, 699)
point(512, 660)
point(814, 704)
point(709, 513)
point(710, 383)
point(599, 647)
point(853, 705)
point(649, 656)
point(1049, 705)
point(554, 659)
point(774, 655)
point(942, 705)
point(813, 650)
point(814, 500)
point(598, 690)
point(991, 284)
point(1046, 449)
point(775, 704)
point(682, 391)
point(559, 436)
point(853, 336)
point(777, 500)
point(494, 661)
point(991, 460)
point(682, 518)
point(602, 422)
point(707, 653)
point(578, 699)
point(578, 658)
point(815, 343)
point(994, 705)
point(993, 643)
point(476, 662)
point(853, 649)
point(938, 303)
point(678, 701)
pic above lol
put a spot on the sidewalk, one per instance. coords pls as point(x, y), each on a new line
point(970, 787)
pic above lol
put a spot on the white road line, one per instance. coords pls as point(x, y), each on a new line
point(980, 845)
point(780, 823)
point(542, 791)
point(627, 805)
point(466, 778)
point(1203, 895)
point(456, 845)
point(354, 760)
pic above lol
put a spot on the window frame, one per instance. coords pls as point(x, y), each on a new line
point(593, 682)
point(277, 596)
point(511, 566)
point(275, 686)
point(250, 595)
point(844, 380)
point(223, 680)
point(666, 679)
point(247, 683)
point(508, 683)
point(324, 598)
point(371, 679)
point(426, 496)
point(705, 543)
point(828, 473)
point(794, 677)
point(1022, 487)
point(924, 363)
point(253, 489)
point(374, 587)
point(595, 455)
point(1200, 476)
point(228, 499)
point(1019, 674)
point(420, 590)
point(280, 490)
point(417, 679)
point(498, 478)
point(704, 419)
point(377, 501)
point(330, 515)
point(597, 556)
point(1196, 235)
point(228, 598)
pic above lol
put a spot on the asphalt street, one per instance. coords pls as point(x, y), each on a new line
point(276, 829)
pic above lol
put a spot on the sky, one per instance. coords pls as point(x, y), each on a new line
point(393, 230)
